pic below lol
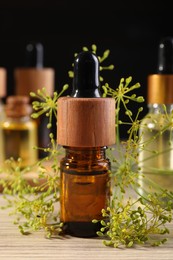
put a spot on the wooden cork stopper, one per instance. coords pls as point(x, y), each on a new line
point(31, 79)
point(86, 122)
point(160, 89)
point(3, 78)
point(18, 106)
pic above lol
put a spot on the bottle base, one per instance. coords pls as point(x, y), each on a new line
point(81, 229)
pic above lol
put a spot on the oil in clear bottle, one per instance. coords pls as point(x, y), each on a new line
point(18, 132)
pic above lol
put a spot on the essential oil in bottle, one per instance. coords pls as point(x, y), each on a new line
point(85, 187)
point(18, 132)
point(86, 126)
point(156, 137)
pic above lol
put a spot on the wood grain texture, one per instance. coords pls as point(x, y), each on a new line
point(86, 122)
point(15, 246)
point(31, 79)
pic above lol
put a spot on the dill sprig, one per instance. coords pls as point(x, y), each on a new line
point(34, 202)
point(135, 222)
point(45, 104)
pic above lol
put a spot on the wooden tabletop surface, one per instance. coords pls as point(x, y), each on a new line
point(14, 245)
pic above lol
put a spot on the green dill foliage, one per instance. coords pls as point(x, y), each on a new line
point(135, 222)
point(129, 220)
point(122, 96)
point(45, 104)
point(132, 221)
point(34, 202)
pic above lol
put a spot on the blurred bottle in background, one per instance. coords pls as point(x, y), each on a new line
point(32, 77)
point(18, 132)
point(156, 130)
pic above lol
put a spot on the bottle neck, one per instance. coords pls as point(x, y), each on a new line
point(160, 108)
point(85, 153)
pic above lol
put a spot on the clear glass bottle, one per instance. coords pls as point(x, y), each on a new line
point(18, 132)
point(156, 129)
point(85, 189)
point(85, 127)
point(156, 155)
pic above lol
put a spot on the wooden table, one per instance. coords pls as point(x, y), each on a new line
point(14, 245)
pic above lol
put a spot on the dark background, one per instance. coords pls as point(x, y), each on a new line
point(131, 30)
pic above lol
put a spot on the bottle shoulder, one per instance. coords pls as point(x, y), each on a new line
point(155, 120)
point(152, 116)
point(18, 123)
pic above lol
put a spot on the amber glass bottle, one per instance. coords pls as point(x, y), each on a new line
point(86, 172)
point(86, 126)
point(18, 132)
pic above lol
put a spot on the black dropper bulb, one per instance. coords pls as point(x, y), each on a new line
point(165, 59)
point(34, 55)
point(86, 76)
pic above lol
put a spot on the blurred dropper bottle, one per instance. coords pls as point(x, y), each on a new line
point(34, 76)
point(156, 137)
point(3, 83)
point(86, 126)
point(18, 132)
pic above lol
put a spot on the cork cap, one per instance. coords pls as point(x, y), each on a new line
point(86, 122)
point(31, 79)
point(18, 106)
point(3, 76)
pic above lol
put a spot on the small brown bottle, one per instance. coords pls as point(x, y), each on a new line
point(86, 126)
point(18, 132)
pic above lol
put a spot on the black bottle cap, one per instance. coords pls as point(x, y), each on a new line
point(165, 58)
point(86, 76)
point(34, 55)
